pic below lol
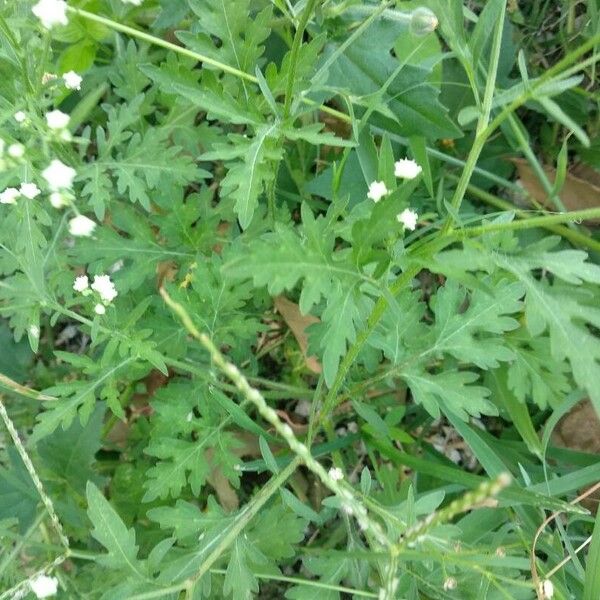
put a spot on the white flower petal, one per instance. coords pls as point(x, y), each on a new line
point(43, 586)
point(105, 287)
point(99, 309)
point(9, 196)
point(81, 226)
point(407, 168)
point(29, 190)
point(58, 175)
point(57, 119)
point(51, 12)
point(81, 283)
point(16, 150)
point(72, 80)
point(20, 116)
point(408, 217)
point(336, 474)
point(57, 200)
point(377, 190)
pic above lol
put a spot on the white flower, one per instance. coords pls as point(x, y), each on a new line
point(16, 150)
point(58, 175)
point(20, 116)
point(406, 168)
point(57, 119)
point(99, 309)
point(30, 190)
point(377, 190)
point(134, 2)
point(105, 287)
point(9, 196)
point(57, 200)
point(51, 12)
point(43, 586)
point(450, 584)
point(81, 283)
point(72, 80)
point(336, 474)
point(408, 217)
point(547, 589)
point(81, 226)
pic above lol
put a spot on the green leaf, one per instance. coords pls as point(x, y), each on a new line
point(240, 581)
point(463, 334)
point(452, 387)
point(111, 532)
point(18, 496)
point(409, 104)
point(246, 179)
point(534, 373)
point(514, 409)
point(70, 454)
point(591, 589)
point(230, 32)
point(175, 77)
point(564, 312)
point(558, 114)
point(178, 419)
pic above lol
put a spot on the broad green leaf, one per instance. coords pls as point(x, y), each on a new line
point(409, 105)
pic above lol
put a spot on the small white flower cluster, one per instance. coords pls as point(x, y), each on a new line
point(43, 586)
point(81, 226)
point(72, 80)
point(336, 474)
point(57, 120)
point(405, 168)
point(377, 190)
point(102, 285)
point(51, 12)
point(59, 178)
point(408, 217)
point(11, 194)
point(15, 150)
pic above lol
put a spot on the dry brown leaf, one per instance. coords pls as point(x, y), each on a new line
point(297, 322)
point(581, 188)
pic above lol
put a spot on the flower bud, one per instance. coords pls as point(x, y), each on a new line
point(423, 21)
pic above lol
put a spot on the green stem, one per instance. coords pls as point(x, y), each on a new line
point(289, 90)
point(517, 129)
point(12, 430)
point(569, 217)
point(151, 39)
point(22, 390)
point(481, 134)
point(556, 69)
point(575, 237)
point(307, 583)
